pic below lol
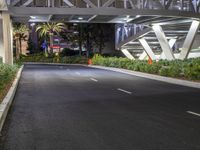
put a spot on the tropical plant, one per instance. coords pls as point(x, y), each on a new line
point(19, 34)
point(47, 30)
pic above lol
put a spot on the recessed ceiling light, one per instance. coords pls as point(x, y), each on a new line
point(33, 17)
point(32, 24)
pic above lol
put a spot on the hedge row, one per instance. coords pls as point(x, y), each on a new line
point(54, 59)
point(188, 69)
point(7, 74)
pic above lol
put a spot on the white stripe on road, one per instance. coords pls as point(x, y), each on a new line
point(95, 80)
point(193, 113)
point(124, 91)
point(78, 73)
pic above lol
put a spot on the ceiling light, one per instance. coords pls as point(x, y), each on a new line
point(33, 17)
point(80, 18)
point(32, 24)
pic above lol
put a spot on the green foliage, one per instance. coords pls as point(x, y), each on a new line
point(1, 59)
point(189, 69)
point(7, 74)
point(52, 58)
point(45, 29)
point(192, 69)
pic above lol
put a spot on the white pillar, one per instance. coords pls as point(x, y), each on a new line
point(6, 41)
point(127, 54)
point(1, 40)
point(147, 48)
point(143, 55)
point(189, 40)
point(171, 44)
point(163, 42)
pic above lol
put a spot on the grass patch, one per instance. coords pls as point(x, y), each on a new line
point(7, 75)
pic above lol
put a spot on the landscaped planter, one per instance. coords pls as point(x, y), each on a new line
point(184, 69)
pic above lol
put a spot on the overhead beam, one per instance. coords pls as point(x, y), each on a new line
point(108, 3)
point(91, 18)
point(26, 11)
point(163, 42)
point(27, 2)
point(68, 3)
point(15, 2)
point(90, 3)
point(189, 40)
point(134, 37)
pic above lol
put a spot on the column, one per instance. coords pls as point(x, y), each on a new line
point(6, 41)
point(163, 42)
point(189, 40)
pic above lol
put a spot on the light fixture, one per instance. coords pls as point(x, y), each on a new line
point(32, 24)
point(80, 18)
point(75, 32)
point(33, 17)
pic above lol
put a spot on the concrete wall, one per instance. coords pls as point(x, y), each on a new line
point(1, 39)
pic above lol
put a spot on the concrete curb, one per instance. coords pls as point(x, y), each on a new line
point(7, 101)
point(63, 64)
point(151, 76)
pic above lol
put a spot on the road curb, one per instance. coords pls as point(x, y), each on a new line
point(63, 64)
point(151, 76)
point(7, 101)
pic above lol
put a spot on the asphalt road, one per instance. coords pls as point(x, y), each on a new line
point(80, 108)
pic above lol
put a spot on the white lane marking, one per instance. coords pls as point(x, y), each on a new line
point(78, 73)
point(193, 113)
point(95, 80)
point(124, 91)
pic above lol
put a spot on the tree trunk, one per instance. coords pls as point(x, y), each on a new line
point(20, 46)
point(101, 41)
point(80, 39)
point(51, 42)
point(17, 48)
point(88, 44)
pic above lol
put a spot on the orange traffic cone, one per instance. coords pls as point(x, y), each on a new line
point(150, 61)
point(89, 61)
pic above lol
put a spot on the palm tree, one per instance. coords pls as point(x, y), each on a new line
point(49, 29)
point(19, 35)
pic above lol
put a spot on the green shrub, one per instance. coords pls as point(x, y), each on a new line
point(7, 74)
point(192, 69)
point(189, 69)
point(40, 57)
